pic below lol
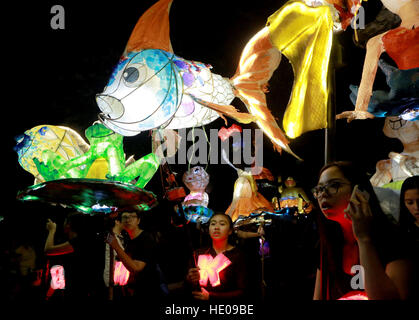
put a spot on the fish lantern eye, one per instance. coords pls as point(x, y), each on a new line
point(134, 75)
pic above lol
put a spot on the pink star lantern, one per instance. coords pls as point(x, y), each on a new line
point(210, 268)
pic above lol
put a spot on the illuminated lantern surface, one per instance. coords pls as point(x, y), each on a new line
point(402, 45)
point(121, 274)
point(210, 268)
point(151, 87)
point(60, 141)
point(390, 173)
point(295, 197)
point(83, 175)
point(90, 195)
point(196, 179)
point(246, 198)
point(354, 295)
point(224, 133)
point(57, 277)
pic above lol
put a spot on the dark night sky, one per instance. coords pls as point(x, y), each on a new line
point(53, 76)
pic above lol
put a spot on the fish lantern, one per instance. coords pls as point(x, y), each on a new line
point(210, 268)
point(57, 277)
point(61, 141)
point(151, 87)
point(196, 180)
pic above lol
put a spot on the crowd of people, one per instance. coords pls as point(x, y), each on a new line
point(346, 248)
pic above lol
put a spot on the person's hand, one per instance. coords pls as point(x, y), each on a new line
point(261, 231)
point(193, 276)
point(359, 212)
point(111, 240)
point(201, 295)
point(51, 226)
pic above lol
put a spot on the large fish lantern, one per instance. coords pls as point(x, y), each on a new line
point(152, 88)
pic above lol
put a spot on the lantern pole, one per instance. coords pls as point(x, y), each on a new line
point(330, 131)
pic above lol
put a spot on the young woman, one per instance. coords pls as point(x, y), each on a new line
point(355, 232)
point(232, 277)
point(409, 221)
point(409, 207)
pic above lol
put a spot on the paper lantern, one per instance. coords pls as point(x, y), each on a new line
point(402, 46)
point(210, 268)
point(105, 153)
point(60, 141)
point(294, 197)
point(90, 195)
point(196, 180)
point(121, 274)
point(393, 171)
point(57, 277)
point(151, 87)
point(224, 133)
point(246, 198)
point(195, 214)
point(354, 295)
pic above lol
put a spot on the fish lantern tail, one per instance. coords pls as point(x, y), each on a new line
point(258, 62)
point(304, 35)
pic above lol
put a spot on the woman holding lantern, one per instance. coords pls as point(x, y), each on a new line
point(219, 272)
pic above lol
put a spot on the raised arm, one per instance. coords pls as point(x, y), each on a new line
point(132, 265)
point(375, 48)
point(52, 249)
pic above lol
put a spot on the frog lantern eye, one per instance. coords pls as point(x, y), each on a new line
point(134, 75)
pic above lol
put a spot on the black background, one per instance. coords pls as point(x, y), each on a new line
point(52, 77)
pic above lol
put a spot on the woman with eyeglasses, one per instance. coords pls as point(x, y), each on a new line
point(362, 254)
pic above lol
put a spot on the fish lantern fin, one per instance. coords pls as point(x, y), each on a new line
point(228, 110)
point(152, 29)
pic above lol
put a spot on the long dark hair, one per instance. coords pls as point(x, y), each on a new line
point(406, 220)
point(231, 237)
point(331, 236)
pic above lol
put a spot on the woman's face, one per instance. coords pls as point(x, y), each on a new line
point(335, 193)
point(411, 201)
point(219, 228)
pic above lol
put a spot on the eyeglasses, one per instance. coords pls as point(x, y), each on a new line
point(330, 188)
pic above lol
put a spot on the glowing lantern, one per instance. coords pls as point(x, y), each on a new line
point(295, 197)
point(52, 153)
point(121, 274)
point(401, 44)
point(57, 277)
point(196, 179)
point(152, 87)
point(224, 133)
point(246, 198)
point(210, 268)
point(354, 295)
point(60, 141)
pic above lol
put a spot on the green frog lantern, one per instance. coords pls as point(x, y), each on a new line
point(105, 159)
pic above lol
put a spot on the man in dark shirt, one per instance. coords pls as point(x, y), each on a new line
point(139, 258)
